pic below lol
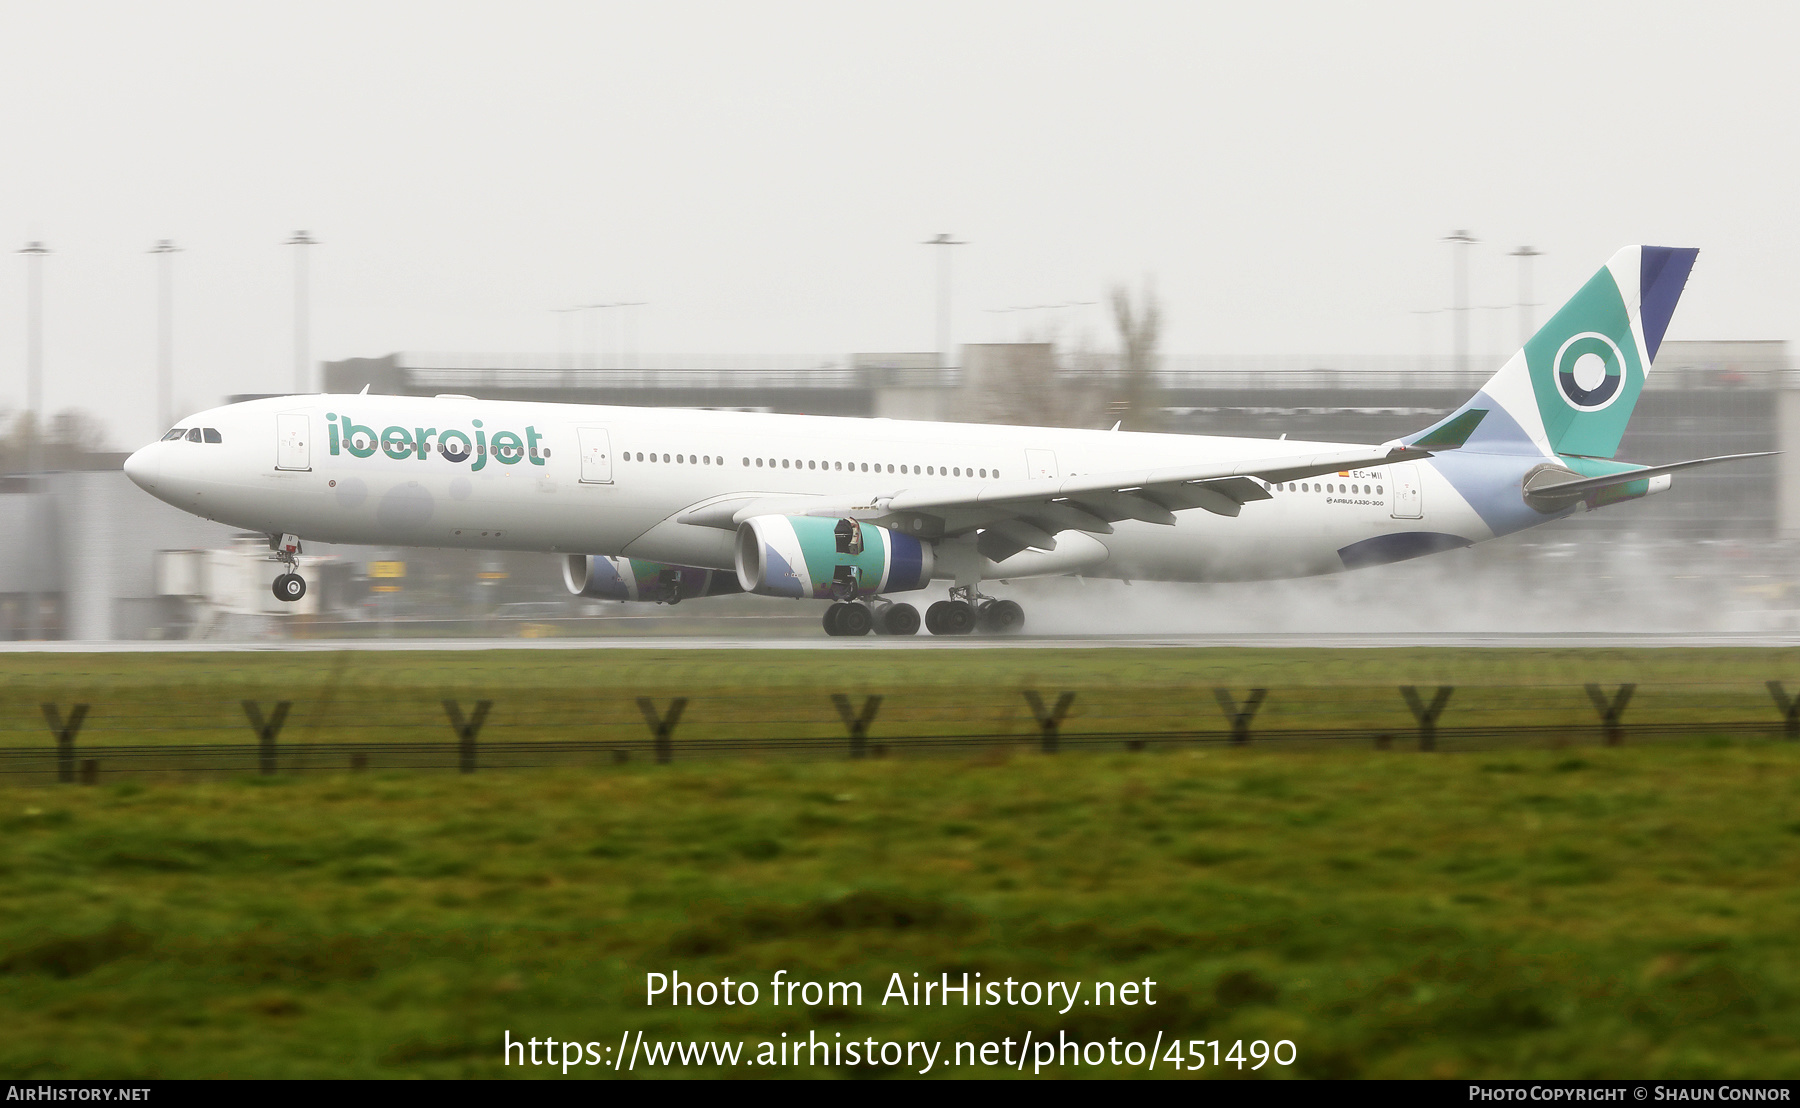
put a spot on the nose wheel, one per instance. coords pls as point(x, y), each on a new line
point(289, 586)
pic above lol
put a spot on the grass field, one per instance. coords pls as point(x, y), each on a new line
point(1618, 912)
point(752, 694)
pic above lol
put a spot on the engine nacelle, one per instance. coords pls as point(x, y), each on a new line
point(822, 558)
point(604, 578)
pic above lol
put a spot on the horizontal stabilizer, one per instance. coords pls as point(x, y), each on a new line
point(1551, 485)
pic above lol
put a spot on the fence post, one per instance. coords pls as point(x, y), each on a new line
point(1789, 707)
point(1427, 715)
point(663, 727)
point(1611, 710)
point(466, 731)
point(858, 724)
point(65, 732)
point(1240, 715)
point(266, 730)
point(1049, 721)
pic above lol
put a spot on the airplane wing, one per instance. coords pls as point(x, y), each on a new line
point(1013, 515)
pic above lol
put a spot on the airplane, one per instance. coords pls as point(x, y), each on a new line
point(663, 505)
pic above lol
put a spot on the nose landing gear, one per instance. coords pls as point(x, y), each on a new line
point(289, 586)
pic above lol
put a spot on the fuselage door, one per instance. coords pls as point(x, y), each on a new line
point(596, 456)
point(293, 441)
point(1406, 500)
point(1040, 463)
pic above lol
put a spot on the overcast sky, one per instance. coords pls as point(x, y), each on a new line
point(762, 174)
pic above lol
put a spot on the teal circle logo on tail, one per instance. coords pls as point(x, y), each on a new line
point(1590, 371)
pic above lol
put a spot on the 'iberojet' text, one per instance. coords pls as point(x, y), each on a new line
point(969, 990)
point(505, 447)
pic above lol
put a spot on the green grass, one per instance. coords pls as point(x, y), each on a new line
point(591, 694)
point(1607, 912)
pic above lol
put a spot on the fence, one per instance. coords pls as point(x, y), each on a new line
point(462, 723)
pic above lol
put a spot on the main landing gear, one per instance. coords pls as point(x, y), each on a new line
point(965, 613)
point(289, 586)
point(858, 617)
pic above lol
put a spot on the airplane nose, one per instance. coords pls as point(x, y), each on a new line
point(141, 467)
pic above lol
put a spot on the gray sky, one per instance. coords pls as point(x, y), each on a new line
point(762, 174)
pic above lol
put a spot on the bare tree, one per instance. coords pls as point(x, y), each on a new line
point(77, 430)
point(71, 434)
point(1140, 330)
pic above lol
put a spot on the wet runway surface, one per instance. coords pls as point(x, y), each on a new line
point(1336, 641)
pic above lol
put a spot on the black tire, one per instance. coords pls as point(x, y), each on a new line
point(831, 619)
point(900, 619)
point(854, 620)
point(1002, 617)
point(957, 618)
point(934, 617)
point(289, 587)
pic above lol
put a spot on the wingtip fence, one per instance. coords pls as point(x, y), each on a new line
point(1048, 719)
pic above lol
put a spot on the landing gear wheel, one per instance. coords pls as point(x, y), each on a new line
point(289, 587)
point(854, 620)
point(831, 617)
point(1002, 617)
point(950, 617)
point(900, 619)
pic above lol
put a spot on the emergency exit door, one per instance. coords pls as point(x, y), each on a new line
point(596, 456)
point(293, 441)
point(1040, 463)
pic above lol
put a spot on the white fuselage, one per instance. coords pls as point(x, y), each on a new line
point(569, 479)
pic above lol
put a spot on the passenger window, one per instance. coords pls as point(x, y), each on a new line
point(175, 434)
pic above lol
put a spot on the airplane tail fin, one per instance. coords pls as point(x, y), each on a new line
point(1571, 389)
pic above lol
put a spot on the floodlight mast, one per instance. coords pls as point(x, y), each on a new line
point(35, 252)
point(943, 320)
point(165, 249)
point(302, 319)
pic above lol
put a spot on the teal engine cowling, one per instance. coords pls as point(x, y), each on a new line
point(822, 558)
point(604, 578)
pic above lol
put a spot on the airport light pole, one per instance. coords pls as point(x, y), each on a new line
point(165, 249)
point(1525, 254)
point(35, 252)
point(943, 320)
point(302, 323)
point(1460, 242)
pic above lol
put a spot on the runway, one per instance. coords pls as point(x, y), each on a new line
point(1580, 640)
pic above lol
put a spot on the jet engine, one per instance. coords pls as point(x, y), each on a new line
point(821, 558)
point(604, 578)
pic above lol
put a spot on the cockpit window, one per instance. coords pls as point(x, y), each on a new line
point(193, 434)
point(212, 434)
point(175, 434)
